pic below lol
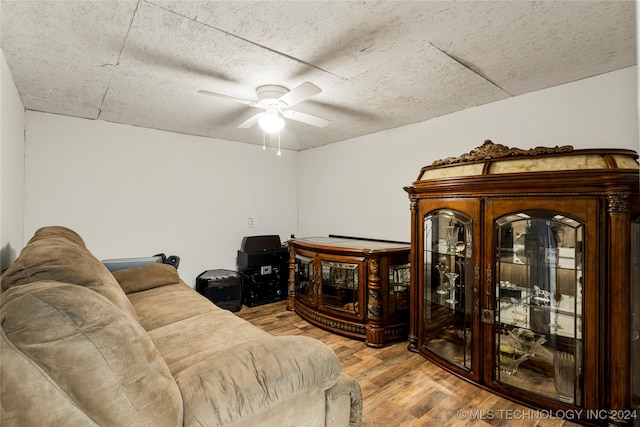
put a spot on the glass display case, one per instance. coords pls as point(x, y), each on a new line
point(526, 275)
point(354, 287)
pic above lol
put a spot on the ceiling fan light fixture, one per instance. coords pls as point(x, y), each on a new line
point(271, 123)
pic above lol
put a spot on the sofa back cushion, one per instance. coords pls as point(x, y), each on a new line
point(57, 253)
point(58, 231)
point(149, 276)
point(70, 357)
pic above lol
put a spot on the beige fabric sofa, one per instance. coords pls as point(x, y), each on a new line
point(139, 347)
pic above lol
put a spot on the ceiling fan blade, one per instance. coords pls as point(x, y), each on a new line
point(251, 121)
point(231, 98)
point(306, 118)
point(300, 93)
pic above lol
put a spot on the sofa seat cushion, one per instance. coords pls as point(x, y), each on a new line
point(86, 354)
point(186, 327)
point(53, 254)
point(168, 304)
point(255, 376)
point(200, 337)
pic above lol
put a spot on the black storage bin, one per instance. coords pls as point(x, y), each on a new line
point(222, 287)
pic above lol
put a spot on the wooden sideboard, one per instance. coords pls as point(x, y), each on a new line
point(354, 287)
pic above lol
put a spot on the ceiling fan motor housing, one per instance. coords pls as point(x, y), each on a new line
point(269, 94)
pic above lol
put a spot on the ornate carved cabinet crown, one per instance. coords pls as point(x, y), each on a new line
point(353, 287)
point(525, 275)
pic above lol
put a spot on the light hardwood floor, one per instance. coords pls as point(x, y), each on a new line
point(401, 388)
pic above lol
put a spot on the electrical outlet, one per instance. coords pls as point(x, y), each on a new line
point(250, 223)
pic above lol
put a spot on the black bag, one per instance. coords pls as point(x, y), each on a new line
point(173, 260)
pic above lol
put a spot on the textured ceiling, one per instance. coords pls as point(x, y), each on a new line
point(380, 65)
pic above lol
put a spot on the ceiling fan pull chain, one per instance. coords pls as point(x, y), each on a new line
point(264, 140)
point(279, 152)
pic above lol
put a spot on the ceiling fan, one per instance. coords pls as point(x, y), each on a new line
point(276, 101)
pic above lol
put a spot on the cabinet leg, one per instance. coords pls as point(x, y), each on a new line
point(375, 336)
point(413, 343)
point(290, 299)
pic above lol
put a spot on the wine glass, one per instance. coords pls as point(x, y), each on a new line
point(442, 268)
point(519, 316)
point(452, 282)
point(557, 297)
point(451, 238)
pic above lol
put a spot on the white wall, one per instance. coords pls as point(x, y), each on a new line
point(134, 192)
point(12, 126)
point(355, 187)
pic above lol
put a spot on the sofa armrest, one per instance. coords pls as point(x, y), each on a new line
point(252, 377)
point(145, 277)
point(344, 400)
point(71, 357)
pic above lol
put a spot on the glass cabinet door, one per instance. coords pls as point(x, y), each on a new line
point(448, 287)
point(538, 304)
point(305, 282)
point(341, 286)
point(399, 282)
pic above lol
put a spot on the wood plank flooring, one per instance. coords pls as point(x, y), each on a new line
point(401, 388)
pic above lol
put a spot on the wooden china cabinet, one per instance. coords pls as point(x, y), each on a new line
point(354, 287)
point(526, 279)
